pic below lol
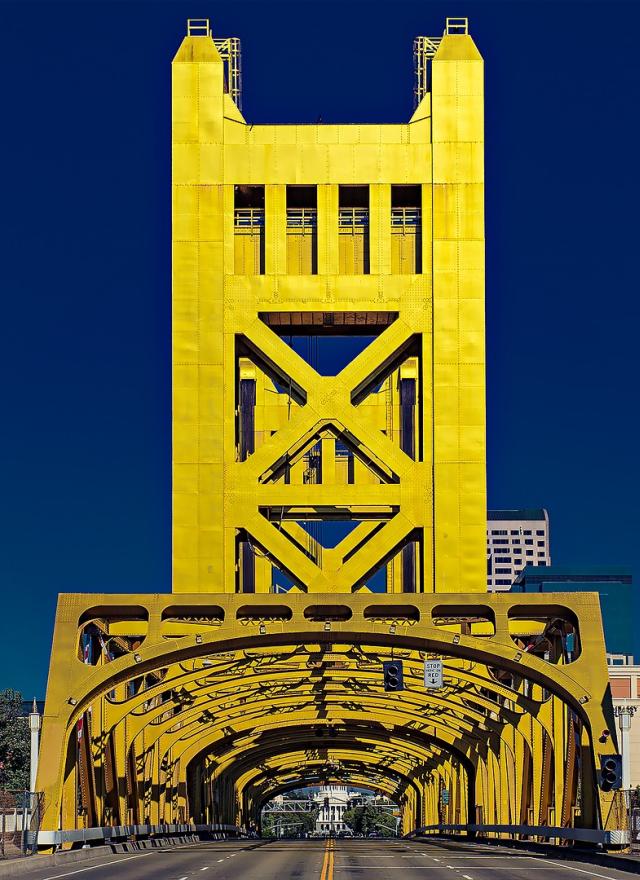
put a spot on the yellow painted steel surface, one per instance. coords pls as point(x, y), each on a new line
point(226, 299)
point(201, 705)
point(213, 704)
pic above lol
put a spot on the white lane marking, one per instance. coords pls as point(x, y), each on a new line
point(532, 858)
point(579, 870)
point(489, 856)
point(183, 878)
point(220, 860)
point(101, 865)
point(466, 877)
point(206, 868)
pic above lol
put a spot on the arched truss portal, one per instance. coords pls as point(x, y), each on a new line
point(265, 670)
point(293, 760)
point(404, 753)
point(400, 783)
point(391, 776)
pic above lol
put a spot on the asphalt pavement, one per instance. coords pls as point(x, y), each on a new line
point(329, 860)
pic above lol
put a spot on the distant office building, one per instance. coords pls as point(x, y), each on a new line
point(625, 691)
point(515, 538)
point(615, 588)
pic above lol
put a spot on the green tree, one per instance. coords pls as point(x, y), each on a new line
point(290, 823)
point(364, 820)
point(14, 742)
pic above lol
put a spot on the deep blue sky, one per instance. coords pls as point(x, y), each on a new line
point(85, 266)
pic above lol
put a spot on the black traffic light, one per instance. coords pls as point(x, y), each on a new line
point(392, 672)
point(610, 772)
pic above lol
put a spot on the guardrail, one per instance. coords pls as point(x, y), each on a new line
point(618, 837)
point(115, 833)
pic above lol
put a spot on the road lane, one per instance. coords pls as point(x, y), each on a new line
point(449, 860)
point(328, 860)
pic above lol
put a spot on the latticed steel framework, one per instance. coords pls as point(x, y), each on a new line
point(328, 514)
point(291, 240)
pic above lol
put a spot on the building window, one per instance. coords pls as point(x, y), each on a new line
point(499, 531)
point(501, 582)
point(406, 230)
point(529, 552)
point(515, 541)
point(621, 687)
point(503, 559)
point(540, 543)
point(539, 531)
point(302, 230)
point(248, 230)
point(515, 532)
point(503, 571)
point(542, 562)
point(528, 540)
point(527, 532)
point(501, 541)
point(353, 230)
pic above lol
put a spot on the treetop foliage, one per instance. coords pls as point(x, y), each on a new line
point(15, 743)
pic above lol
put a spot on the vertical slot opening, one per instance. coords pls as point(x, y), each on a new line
point(302, 230)
point(248, 229)
point(406, 229)
point(353, 229)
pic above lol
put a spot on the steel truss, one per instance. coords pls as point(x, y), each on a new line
point(201, 706)
point(247, 699)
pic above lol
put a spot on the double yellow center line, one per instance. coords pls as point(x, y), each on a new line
point(327, 864)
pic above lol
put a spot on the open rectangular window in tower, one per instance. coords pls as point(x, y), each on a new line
point(248, 230)
point(406, 230)
point(302, 230)
point(353, 230)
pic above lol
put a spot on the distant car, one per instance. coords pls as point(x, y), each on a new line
point(375, 834)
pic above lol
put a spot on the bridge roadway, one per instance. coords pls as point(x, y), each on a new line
point(330, 860)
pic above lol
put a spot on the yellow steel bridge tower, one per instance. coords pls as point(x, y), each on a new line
point(329, 506)
point(314, 233)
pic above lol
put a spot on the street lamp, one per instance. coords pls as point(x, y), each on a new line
point(624, 714)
